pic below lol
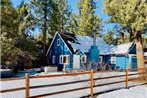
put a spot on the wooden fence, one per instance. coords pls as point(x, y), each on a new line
point(91, 87)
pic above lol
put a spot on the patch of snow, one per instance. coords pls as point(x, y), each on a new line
point(133, 92)
point(86, 42)
point(120, 49)
point(75, 94)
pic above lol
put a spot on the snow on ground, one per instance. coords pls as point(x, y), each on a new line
point(133, 92)
point(75, 94)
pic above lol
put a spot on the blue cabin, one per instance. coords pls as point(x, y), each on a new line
point(122, 56)
point(70, 51)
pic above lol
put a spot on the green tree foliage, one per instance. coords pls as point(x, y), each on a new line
point(109, 37)
point(128, 13)
point(131, 15)
point(59, 17)
point(144, 37)
point(73, 24)
point(16, 42)
point(58, 13)
point(87, 19)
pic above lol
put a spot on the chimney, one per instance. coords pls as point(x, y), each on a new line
point(94, 37)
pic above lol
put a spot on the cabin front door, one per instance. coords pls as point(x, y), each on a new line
point(76, 62)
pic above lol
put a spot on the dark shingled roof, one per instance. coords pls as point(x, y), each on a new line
point(69, 37)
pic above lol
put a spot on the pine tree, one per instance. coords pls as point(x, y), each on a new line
point(88, 20)
point(59, 16)
point(50, 16)
point(15, 41)
point(109, 37)
point(73, 24)
point(131, 15)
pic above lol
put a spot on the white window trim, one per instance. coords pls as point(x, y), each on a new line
point(53, 59)
point(82, 59)
point(114, 59)
point(58, 42)
point(62, 56)
point(61, 59)
point(101, 59)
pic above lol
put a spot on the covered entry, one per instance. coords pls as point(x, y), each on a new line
point(76, 61)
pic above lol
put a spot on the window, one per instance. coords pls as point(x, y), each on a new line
point(53, 59)
point(83, 59)
point(61, 59)
point(58, 42)
point(64, 59)
point(113, 60)
point(100, 59)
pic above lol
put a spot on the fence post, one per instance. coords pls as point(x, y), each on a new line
point(127, 78)
point(92, 82)
point(27, 85)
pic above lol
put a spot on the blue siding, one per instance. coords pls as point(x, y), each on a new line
point(122, 61)
point(134, 62)
point(106, 59)
point(80, 53)
point(55, 50)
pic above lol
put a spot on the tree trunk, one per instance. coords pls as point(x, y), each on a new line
point(140, 57)
point(44, 33)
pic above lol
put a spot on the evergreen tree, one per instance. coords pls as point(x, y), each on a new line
point(88, 20)
point(109, 38)
point(59, 16)
point(73, 24)
point(41, 10)
point(131, 15)
point(15, 41)
point(50, 16)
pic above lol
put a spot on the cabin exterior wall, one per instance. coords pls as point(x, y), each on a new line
point(58, 48)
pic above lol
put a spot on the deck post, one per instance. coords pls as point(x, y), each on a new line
point(92, 82)
point(127, 78)
point(27, 85)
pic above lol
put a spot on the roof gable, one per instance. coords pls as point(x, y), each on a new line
point(57, 34)
point(80, 52)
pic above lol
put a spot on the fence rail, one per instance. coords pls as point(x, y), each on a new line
point(91, 80)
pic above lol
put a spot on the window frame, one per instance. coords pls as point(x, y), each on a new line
point(113, 58)
point(67, 61)
point(82, 59)
point(53, 59)
point(58, 42)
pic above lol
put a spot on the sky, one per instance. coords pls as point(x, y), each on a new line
point(73, 5)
